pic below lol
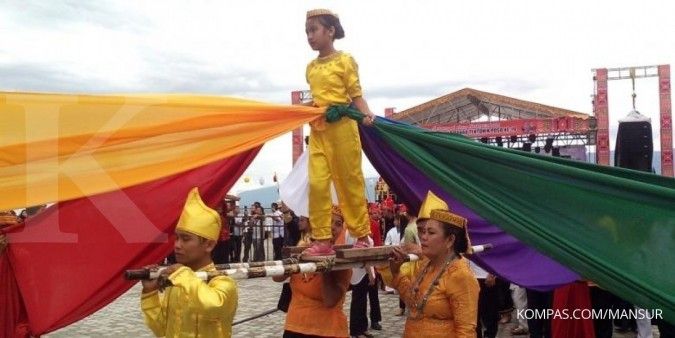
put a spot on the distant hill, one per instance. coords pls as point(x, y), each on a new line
point(268, 194)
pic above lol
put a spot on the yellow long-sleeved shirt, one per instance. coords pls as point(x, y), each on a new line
point(192, 307)
point(333, 79)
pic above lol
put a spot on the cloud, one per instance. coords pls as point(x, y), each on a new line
point(439, 88)
point(161, 72)
point(167, 73)
point(411, 90)
point(63, 14)
point(27, 76)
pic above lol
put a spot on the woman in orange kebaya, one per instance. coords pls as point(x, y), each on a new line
point(442, 296)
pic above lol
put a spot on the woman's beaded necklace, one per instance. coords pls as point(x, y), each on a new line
point(416, 304)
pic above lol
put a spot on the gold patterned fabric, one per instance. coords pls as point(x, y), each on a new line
point(448, 217)
point(192, 307)
point(452, 307)
point(320, 11)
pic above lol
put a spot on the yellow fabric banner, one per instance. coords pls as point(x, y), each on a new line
point(57, 147)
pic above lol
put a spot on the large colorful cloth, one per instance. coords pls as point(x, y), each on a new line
point(60, 147)
point(191, 307)
point(611, 225)
point(156, 146)
point(75, 252)
point(335, 148)
point(116, 164)
point(568, 299)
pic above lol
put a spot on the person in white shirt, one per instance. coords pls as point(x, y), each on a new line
point(277, 230)
point(393, 236)
point(237, 230)
point(363, 289)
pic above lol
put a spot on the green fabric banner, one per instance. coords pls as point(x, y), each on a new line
point(615, 227)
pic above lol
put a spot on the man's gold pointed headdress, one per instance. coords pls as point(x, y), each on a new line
point(197, 218)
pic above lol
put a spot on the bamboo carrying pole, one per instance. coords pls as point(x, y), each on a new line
point(287, 266)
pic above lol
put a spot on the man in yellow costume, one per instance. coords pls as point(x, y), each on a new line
point(192, 307)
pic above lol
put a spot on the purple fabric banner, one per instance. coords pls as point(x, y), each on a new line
point(510, 259)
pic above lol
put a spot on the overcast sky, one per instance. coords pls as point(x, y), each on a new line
point(408, 51)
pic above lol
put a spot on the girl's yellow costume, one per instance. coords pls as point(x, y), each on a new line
point(335, 148)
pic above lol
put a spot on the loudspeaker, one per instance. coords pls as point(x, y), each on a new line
point(549, 145)
point(634, 146)
point(532, 138)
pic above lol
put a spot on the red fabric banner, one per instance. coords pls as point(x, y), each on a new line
point(13, 320)
point(572, 297)
point(69, 260)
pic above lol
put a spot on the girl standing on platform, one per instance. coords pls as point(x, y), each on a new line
point(334, 147)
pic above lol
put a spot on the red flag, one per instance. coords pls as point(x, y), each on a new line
point(68, 261)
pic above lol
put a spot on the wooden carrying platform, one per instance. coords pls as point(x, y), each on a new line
point(292, 251)
point(344, 253)
point(346, 257)
point(347, 254)
point(365, 254)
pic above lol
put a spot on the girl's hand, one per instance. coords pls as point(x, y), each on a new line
point(490, 281)
point(368, 120)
